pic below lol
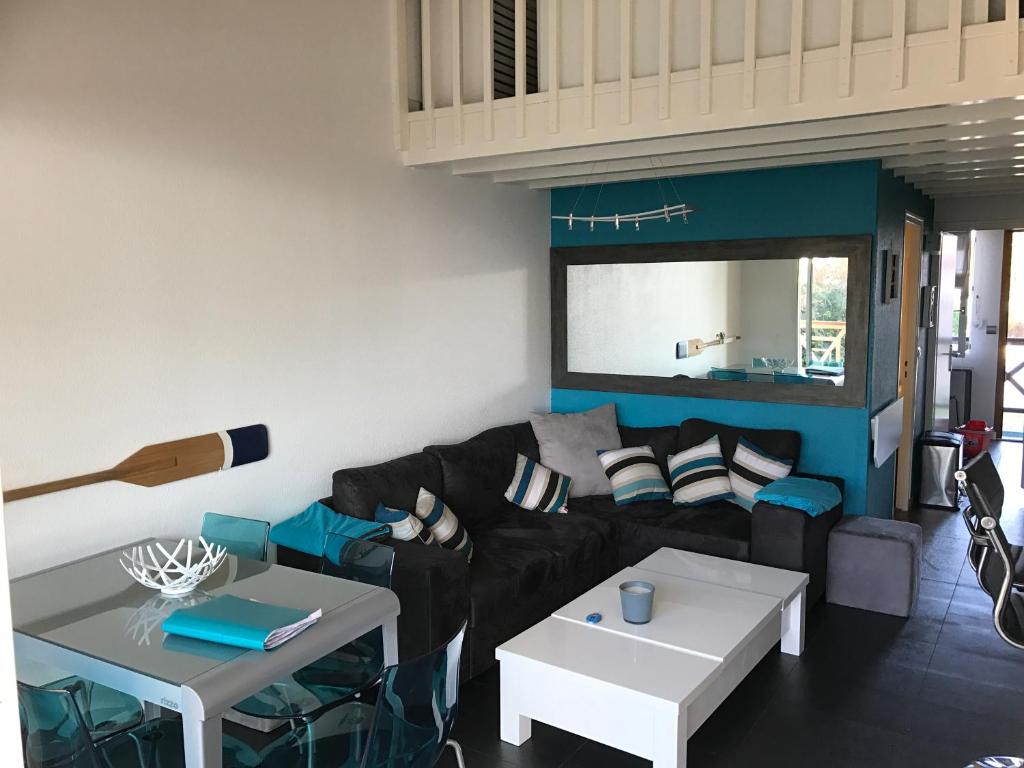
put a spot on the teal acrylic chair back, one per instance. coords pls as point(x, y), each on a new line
point(54, 732)
point(416, 708)
point(357, 560)
point(241, 536)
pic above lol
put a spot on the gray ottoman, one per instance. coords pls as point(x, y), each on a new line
point(874, 564)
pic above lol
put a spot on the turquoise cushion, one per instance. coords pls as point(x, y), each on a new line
point(804, 493)
point(307, 531)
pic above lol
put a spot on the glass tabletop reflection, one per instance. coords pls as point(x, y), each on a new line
point(93, 607)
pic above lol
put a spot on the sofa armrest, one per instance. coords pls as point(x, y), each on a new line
point(783, 537)
point(432, 585)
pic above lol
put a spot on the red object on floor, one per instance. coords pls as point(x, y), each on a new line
point(977, 437)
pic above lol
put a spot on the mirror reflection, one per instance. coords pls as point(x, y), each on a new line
point(774, 320)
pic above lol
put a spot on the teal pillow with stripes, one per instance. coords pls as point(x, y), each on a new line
point(448, 532)
point(698, 475)
point(534, 486)
point(404, 527)
point(634, 474)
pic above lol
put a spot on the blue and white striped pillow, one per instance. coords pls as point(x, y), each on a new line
point(634, 474)
point(443, 524)
point(698, 475)
point(751, 470)
point(534, 486)
point(404, 526)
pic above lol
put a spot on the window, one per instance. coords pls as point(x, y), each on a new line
point(822, 311)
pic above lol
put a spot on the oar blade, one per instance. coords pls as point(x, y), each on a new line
point(193, 456)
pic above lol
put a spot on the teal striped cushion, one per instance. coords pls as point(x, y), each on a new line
point(699, 475)
point(634, 474)
point(443, 524)
point(404, 527)
point(534, 486)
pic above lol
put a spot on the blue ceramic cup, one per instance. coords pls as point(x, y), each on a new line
point(637, 601)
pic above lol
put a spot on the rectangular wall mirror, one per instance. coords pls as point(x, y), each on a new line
point(778, 320)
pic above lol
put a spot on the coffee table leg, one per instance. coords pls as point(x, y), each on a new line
point(793, 626)
point(670, 742)
point(515, 728)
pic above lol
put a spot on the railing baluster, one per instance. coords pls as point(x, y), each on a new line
point(520, 52)
point(705, 56)
point(625, 61)
point(796, 50)
point(588, 63)
point(456, 13)
point(749, 53)
point(956, 23)
point(899, 42)
point(553, 64)
point(487, 46)
point(665, 60)
point(1012, 37)
point(426, 73)
point(400, 74)
point(845, 48)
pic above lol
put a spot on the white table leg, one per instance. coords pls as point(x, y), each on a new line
point(202, 741)
point(515, 728)
point(390, 632)
point(793, 626)
point(150, 711)
point(670, 741)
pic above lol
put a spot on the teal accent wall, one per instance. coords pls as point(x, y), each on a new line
point(834, 199)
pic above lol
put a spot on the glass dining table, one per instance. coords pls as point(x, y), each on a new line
point(90, 618)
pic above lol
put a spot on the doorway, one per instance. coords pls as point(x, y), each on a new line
point(1009, 416)
point(910, 352)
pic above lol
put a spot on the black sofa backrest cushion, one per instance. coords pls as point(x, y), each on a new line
point(780, 443)
point(662, 440)
point(526, 441)
point(476, 474)
point(395, 483)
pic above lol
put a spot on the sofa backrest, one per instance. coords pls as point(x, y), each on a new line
point(395, 483)
point(780, 443)
point(476, 473)
point(663, 441)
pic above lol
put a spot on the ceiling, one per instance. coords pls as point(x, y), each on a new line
point(971, 148)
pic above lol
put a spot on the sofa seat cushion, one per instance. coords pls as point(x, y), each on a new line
point(720, 528)
point(519, 552)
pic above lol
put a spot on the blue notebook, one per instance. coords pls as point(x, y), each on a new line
point(243, 623)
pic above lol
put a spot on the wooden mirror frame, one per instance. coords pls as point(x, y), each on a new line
point(855, 248)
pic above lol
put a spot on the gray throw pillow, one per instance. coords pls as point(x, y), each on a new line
point(569, 443)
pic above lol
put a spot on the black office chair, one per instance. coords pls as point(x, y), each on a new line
point(980, 481)
point(996, 576)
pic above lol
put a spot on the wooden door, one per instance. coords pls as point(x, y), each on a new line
point(910, 297)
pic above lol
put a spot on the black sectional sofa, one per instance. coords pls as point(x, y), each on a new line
point(526, 564)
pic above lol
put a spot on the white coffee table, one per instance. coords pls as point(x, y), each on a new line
point(646, 689)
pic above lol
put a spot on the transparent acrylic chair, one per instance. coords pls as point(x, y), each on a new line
point(103, 711)
point(350, 669)
point(409, 725)
point(241, 536)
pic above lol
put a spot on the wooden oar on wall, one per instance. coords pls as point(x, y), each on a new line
point(167, 462)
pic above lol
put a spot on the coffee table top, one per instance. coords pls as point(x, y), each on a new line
point(750, 577)
point(629, 663)
point(694, 617)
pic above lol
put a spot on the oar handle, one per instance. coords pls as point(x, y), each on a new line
point(115, 473)
point(16, 494)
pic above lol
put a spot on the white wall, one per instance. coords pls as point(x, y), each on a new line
point(985, 299)
point(627, 318)
point(770, 301)
point(204, 224)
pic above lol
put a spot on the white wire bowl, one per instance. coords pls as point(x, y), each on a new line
point(175, 572)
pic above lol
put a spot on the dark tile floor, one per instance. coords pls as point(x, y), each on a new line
point(937, 689)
